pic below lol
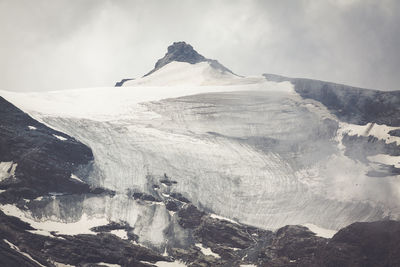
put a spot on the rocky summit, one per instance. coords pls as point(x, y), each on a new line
point(183, 52)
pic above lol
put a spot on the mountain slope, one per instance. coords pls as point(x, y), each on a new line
point(194, 157)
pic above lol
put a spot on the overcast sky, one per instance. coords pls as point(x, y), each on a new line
point(59, 44)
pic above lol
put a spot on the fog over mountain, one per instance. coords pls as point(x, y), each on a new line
point(51, 45)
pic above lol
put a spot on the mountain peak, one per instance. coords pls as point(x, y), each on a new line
point(183, 52)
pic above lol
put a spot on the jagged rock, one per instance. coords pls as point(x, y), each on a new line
point(364, 244)
point(171, 205)
point(120, 83)
point(190, 216)
point(168, 182)
point(179, 197)
point(183, 52)
point(145, 197)
point(45, 158)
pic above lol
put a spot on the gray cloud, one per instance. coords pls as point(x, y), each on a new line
point(58, 44)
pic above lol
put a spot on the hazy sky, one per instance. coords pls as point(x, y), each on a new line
point(59, 44)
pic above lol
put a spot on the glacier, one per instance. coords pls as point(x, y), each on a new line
point(245, 148)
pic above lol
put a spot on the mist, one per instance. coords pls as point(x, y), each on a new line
point(55, 45)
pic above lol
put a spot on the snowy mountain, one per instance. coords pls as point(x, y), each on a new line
point(199, 165)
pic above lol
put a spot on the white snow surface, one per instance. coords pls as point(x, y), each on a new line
point(166, 263)
point(121, 233)
point(60, 137)
point(7, 169)
point(73, 176)
point(327, 233)
point(215, 216)
point(207, 251)
point(180, 74)
point(110, 103)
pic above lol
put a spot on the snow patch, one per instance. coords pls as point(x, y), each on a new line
point(7, 169)
point(322, 232)
point(73, 176)
point(121, 233)
point(38, 198)
point(207, 251)
point(82, 226)
point(108, 264)
point(385, 159)
point(380, 131)
point(166, 263)
point(60, 137)
point(215, 216)
point(32, 127)
point(59, 264)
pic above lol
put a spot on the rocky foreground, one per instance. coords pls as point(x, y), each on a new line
point(228, 243)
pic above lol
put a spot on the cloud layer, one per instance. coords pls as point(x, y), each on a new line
point(52, 45)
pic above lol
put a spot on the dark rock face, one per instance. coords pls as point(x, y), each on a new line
point(190, 216)
point(75, 250)
point(145, 197)
point(350, 104)
point(394, 132)
point(120, 83)
point(44, 161)
point(364, 244)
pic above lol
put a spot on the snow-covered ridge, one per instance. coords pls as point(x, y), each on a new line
point(111, 103)
point(186, 74)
